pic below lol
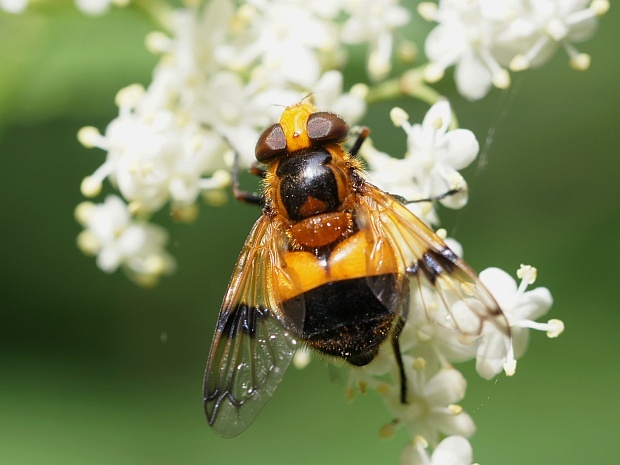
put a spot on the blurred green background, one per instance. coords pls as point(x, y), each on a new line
point(85, 376)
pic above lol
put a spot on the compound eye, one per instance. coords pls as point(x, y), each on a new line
point(271, 143)
point(327, 127)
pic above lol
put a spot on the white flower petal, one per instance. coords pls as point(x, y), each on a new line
point(453, 450)
point(446, 387)
point(412, 455)
point(93, 7)
point(462, 148)
point(109, 259)
point(502, 284)
point(444, 46)
point(491, 354)
point(438, 117)
point(533, 304)
point(132, 240)
point(13, 6)
point(458, 424)
point(473, 79)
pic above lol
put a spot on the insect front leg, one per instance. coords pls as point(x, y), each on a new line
point(361, 137)
point(257, 170)
point(245, 196)
point(457, 190)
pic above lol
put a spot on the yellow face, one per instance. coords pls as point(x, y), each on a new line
point(294, 121)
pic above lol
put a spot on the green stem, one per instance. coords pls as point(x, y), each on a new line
point(414, 85)
point(387, 90)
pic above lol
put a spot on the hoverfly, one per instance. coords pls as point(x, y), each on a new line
point(333, 262)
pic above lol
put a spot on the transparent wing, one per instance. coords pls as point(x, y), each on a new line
point(443, 289)
point(251, 349)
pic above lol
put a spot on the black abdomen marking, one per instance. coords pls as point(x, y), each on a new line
point(342, 318)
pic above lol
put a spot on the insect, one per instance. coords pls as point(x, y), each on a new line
point(334, 263)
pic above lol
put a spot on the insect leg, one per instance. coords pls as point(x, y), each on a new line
point(244, 196)
point(434, 198)
point(257, 170)
point(399, 361)
point(364, 133)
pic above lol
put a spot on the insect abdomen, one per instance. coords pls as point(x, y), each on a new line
point(343, 318)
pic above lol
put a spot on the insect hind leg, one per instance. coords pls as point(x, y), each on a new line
point(399, 361)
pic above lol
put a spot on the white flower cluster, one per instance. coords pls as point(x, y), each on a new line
point(119, 241)
point(433, 414)
point(428, 169)
point(482, 38)
point(431, 163)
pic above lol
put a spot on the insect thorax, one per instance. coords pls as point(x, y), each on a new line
point(314, 198)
